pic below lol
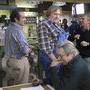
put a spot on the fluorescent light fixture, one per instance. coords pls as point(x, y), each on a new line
point(27, 3)
point(80, 9)
point(59, 3)
point(26, 6)
point(31, 14)
point(33, 2)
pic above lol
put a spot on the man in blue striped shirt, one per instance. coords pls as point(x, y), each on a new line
point(16, 49)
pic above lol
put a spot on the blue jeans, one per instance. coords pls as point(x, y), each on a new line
point(45, 62)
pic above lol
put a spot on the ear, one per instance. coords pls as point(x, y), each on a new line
point(69, 57)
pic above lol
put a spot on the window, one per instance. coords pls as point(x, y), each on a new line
point(80, 9)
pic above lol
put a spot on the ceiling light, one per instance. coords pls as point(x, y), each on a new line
point(59, 3)
point(33, 2)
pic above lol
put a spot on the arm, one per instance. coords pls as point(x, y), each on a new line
point(82, 39)
point(77, 77)
point(67, 80)
point(21, 42)
point(82, 42)
point(44, 41)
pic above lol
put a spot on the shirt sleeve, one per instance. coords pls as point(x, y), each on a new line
point(21, 42)
point(43, 38)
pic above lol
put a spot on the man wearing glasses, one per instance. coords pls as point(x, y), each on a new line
point(74, 73)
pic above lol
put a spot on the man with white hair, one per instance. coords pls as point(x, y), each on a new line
point(74, 73)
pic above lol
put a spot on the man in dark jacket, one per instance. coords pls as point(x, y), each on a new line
point(74, 73)
point(83, 42)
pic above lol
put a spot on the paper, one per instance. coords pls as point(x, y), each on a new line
point(1, 89)
point(33, 88)
point(51, 88)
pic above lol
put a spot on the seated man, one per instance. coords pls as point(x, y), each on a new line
point(74, 73)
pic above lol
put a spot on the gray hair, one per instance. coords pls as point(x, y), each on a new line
point(52, 9)
point(69, 48)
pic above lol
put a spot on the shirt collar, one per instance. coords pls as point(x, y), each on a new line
point(17, 25)
point(50, 21)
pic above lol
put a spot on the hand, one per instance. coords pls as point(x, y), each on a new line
point(31, 48)
point(77, 36)
point(54, 63)
point(84, 43)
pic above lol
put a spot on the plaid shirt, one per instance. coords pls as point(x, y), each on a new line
point(47, 36)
